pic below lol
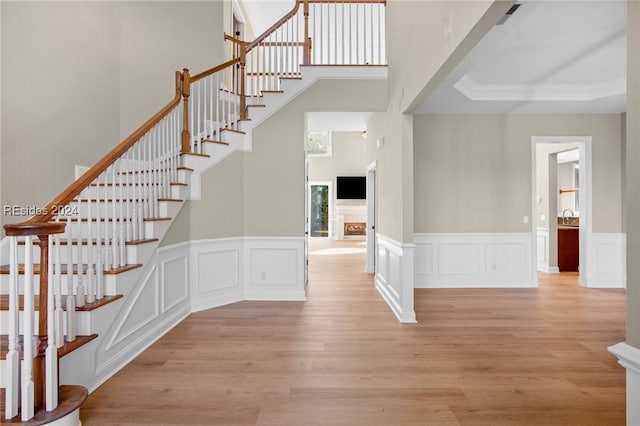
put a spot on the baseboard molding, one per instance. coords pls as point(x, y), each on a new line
point(629, 358)
point(607, 261)
point(394, 276)
point(474, 260)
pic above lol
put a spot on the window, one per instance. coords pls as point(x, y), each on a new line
point(318, 144)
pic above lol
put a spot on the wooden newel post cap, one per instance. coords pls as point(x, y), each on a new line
point(25, 229)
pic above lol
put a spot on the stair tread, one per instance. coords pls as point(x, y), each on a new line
point(109, 200)
point(215, 141)
point(226, 129)
point(109, 219)
point(196, 154)
point(84, 242)
point(4, 269)
point(67, 348)
point(4, 303)
point(70, 398)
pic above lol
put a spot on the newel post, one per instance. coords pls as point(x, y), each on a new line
point(186, 92)
point(307, 40)
point(243, 97)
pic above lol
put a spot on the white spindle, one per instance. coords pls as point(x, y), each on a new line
point(59, 312)
point(320, 42)
point(380, 61)
point(71, 300)
point(357, 35)
point(335, 33)
point(210, 117)
point(81, 273)
point(342, 41)
point(123, 249)
point(351, 33)
point(27, 389)
point(12, 360)
point(51, 352)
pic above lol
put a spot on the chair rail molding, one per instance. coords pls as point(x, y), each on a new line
point(474, 260)
point(629, 358)
point(394, 276)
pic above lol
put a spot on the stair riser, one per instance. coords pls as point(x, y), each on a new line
point(109, 284)
point(135, 253)
point(106, 209)
point(83, 322)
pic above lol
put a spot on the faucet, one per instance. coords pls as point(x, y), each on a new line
point(564, 218)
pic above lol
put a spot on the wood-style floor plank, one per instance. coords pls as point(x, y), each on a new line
point(476, 357)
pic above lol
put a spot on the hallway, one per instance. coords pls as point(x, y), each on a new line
point(476, 357)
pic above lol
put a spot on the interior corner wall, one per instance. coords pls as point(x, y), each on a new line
point(60, 104)
point(157, 39)
point(632, 184)
point(218, 212)
point(473, 172)
point(274, 170)
point(394, 173)
point(423, 36)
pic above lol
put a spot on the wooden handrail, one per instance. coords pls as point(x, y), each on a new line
point(275, 26)
point(214, 70)
point(26, 228)
point(73, 190)
point(232, 39)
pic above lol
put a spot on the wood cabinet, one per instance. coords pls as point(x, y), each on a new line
point(568, 249)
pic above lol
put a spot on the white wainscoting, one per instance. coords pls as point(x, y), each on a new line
point(273, 268)
point(474, 260)
point(394, 276)
point(607, 261)
point(158, 301)
point(542, 246)
point(215, 272)
point(629, 358)
point(228, 270)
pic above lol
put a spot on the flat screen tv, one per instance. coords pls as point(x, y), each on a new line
point(351, 187)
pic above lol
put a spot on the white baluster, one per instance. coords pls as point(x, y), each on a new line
point(99, 277)
point(51, 352)
point(12, 360)
point(27, 389)
point(116, 251)
point(123, 248)
point(59, 312)
point(71, 300)
point(91, 284)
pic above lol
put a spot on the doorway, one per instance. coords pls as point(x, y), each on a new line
point(372, 209)
point(544, 204)
point(320, 209)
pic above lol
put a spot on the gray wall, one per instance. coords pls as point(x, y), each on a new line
point(78, 77)
point(632, 184)
point(348, 158)
point(473, 172)
point(60, 84)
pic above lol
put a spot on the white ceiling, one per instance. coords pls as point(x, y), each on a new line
point(548, 57)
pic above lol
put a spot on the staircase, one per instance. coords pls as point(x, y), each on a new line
point(73, 274)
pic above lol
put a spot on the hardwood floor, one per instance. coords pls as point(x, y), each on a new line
point(476, 357)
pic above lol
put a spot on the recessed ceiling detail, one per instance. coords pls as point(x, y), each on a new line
point(539, 92)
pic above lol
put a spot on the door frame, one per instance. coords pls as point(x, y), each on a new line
point(372, 217)
point(330, 220)
point(585, 199)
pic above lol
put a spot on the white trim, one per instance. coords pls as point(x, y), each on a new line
point(394, 277)
point(540, 92)
point(542, 246)
point(585, 197)
point(607, 255)
point(370, 267)
point(629, 358)
point(473, 260)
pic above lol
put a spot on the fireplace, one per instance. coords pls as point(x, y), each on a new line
point(355, 228)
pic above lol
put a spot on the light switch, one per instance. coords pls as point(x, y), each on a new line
point(525, 219)
point(543, 217)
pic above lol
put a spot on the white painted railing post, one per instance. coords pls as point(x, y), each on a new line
point(51, 352)
point(27, 387)
point(12, 361)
